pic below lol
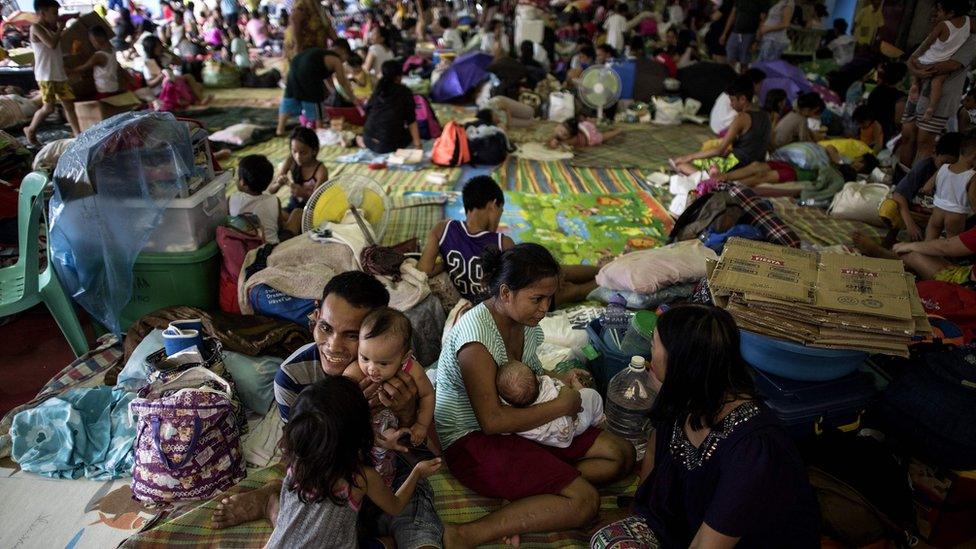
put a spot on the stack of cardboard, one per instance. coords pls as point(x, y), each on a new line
point(821, 300)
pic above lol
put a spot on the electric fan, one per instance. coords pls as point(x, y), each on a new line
point(599, 87)
point(335, 197)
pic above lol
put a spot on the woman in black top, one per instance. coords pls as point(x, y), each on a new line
point(391, 119)
point(722, 473)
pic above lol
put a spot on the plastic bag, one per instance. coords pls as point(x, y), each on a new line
point(111, 188)
point(667, 111)
point(562, 106)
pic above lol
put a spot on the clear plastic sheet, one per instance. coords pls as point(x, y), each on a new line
point(111, 188)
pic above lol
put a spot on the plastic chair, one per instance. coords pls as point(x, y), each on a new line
point(22, 285)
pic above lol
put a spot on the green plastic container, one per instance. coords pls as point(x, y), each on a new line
point(167, 279)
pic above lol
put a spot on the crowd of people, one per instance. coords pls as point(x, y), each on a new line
point(720, 471)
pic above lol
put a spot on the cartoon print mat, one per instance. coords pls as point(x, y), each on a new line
point(587, 229)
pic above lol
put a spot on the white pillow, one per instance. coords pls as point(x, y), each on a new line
point(238, 134)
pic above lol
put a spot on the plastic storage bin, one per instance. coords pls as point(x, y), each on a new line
point(798, 362)
point(807, 408)
point(190, 223)
point(167, 279)
point(608, 362)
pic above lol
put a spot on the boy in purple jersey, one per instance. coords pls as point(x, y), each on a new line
point(459, 245)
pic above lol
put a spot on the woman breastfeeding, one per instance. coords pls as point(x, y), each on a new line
point(548, 488)
point(723, 473)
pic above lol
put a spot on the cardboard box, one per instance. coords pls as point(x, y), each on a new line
point(820, 300)
point(92, 112)
point(77, 50)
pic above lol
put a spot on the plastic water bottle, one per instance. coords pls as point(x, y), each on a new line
point(615, 321)
point(629, 399)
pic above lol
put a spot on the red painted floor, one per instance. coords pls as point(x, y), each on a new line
point(32, 350)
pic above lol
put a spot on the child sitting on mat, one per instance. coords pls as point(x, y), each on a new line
point(303, 173)
point(519, 387)
point(384, 349)
point(460, 245)
point(953, 186)
point(326, 447)
point(580, 133)
point(254, 174)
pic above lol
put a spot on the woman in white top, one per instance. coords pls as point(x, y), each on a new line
point(379, 51)
point(772, 33)
point(494, 40)
point(103, 64)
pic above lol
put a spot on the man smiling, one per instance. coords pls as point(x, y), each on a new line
point(346, 300)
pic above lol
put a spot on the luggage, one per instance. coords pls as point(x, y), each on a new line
point(234, 242)
point(930, 407)
point(451, 148)
point(863, 490)
point(808, 408)
point(859, 201)
point(427, 123)
point(488, 145)
point(188, 443)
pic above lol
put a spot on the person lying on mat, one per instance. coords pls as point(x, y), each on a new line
point(335, 324)
point(747, 138)
point(782, 171)
point(460, 245)
point(720, 470)
point(580, 132)
point(547, 488)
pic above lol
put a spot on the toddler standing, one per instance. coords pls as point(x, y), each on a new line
point(953, 184)
point(326, 447)
point(45, 38)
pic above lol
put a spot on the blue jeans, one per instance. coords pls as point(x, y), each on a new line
point(418, 525)
point(771, 50)
point(737, 48)
point(295, 107)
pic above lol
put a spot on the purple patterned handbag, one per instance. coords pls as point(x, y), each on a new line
point(188, 444)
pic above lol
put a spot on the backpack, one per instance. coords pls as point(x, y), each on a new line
point(427, 123)
point(243, 235)
point(489, 145)
point(930, 407)
point(863, 490)
point(451, 148)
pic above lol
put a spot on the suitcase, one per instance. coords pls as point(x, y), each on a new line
point(807, 408)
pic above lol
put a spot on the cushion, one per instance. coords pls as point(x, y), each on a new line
point(238, 134)
point(851, 148)
point(254, 377)
point(648, 271)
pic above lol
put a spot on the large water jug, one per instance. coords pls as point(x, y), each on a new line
point(629, 399)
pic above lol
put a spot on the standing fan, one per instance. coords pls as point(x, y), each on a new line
point(599, 87)
point(333, 199)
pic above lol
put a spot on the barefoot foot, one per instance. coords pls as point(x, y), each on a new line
point(31, 136)
point(869, 247)
point(453, 538)
point(245, 507)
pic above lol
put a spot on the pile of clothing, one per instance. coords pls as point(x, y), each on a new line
point(818, 299)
